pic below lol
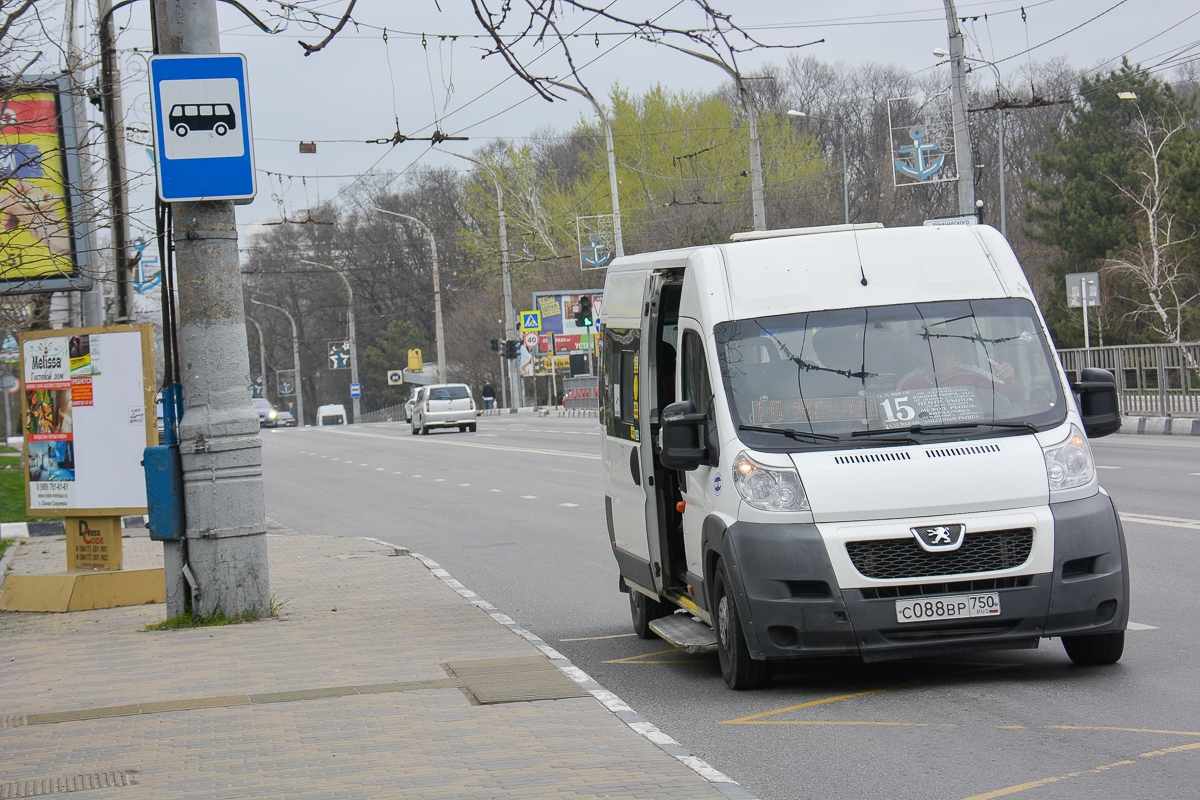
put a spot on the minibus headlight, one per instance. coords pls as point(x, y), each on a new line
point(768, 488)
point(1069, 462)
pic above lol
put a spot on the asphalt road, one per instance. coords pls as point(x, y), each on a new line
point(515, 512)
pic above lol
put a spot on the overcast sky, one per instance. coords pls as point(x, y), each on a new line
point(356, 87)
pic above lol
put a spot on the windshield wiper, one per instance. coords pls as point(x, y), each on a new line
point(1029, 426)
point(791, 433)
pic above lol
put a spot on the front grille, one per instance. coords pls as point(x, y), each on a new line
point(904, 558)
point(952, 587)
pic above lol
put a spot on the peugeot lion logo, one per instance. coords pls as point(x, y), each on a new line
point(940, 538)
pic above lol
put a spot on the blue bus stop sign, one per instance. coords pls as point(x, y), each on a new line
point(203, 147)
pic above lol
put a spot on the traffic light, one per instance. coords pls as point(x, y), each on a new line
point(583, 317)
point(495, 345)
point(512, 348)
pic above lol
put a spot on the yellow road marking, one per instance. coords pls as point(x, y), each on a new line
point(846, 723)
point(754, 719)
point(648, 658)
point(1118, 729)
point(1018, 788)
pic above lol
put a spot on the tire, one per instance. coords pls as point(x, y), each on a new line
point(181, 130)
point(413, 428)
point(1096, 650)
point(220, 129)
point(424, 430)
point(643, 610)
point(738, 669)
point(472, 427)
point(462, 428)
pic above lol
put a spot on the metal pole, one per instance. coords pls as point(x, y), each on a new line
point(114, 128)
point(219, 438)
point(352, 331)
point(553, 372)
point(1003, 182)
point(757, 203)
point(503, 380)
point(299, 388)
point(845, 182)
point(438, 331)
point(1087, 344)
point(958, 107)
point(262, 352)
point(92, 305)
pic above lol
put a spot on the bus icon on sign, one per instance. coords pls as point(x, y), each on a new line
point(217, 118)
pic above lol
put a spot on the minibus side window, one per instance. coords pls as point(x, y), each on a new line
point(696, 386)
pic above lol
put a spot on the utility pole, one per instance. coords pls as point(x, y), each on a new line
point(510, 313)
point(503, 380)
point(439, 333)
point(1003, 178)
point(114, 128)
point(299, 388)
point(958, 110)
point(226, 543)
point(355, 402)
point(618, 241)
point(92, 305)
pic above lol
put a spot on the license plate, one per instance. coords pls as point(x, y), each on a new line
point(957, 606)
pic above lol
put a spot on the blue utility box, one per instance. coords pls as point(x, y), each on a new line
point(164, 492)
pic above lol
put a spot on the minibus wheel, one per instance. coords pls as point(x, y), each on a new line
point(644, 611)
point(1098, 649)
point(738, 669)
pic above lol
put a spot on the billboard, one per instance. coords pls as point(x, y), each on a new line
point(87, 413)
point(558, 315)
point(40, 245)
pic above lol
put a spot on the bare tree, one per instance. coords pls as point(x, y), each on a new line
point(1158, 264)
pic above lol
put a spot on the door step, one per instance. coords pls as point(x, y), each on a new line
point(686, 633)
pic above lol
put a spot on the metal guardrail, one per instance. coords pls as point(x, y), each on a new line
point(1161, 380)
point(386, 414)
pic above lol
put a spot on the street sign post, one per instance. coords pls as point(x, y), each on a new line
point(395, 377)
point(355, 390)
point(203, 147)
point(531, 321)
point(339, 354)
point(1083, 290)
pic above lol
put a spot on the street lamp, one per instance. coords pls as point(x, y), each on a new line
point(510, 314)
point(354, 401)
point(262, 353)
point(438, 332)
point(295, 361)
point(612, 161)
point(845, 172)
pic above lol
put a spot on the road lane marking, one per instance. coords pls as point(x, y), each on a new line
point(1194, 474)
point(1020, 788)
point(529, 497)
point(364, 465)
point(495, 491)
point(652, 658)
point(439, 480)
point(379, 469)
point(1167, 522)
point(1106, 466)
point(464, 485)
point(598, 638)
point(760, 717)
point(417, 475)
point(1140, 626)
point(445, 441)
point(568, 505)
point(1119, 729)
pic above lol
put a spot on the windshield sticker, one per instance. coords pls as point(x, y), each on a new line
point(949, 404)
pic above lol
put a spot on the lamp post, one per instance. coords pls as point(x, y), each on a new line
point(262, 353)
point(618, 242)
point(845, 173)
point(513, 387)
point(354, 401)
point(295, 359)
point(438, 331)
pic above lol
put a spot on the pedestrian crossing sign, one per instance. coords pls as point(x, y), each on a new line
point(531, 321)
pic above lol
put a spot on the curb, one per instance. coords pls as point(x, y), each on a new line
point(55, 527)
point(1160, 426)
point(615, 705)
point(9, 555)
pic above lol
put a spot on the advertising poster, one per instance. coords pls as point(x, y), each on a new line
point(35, 234)
point(84, 419)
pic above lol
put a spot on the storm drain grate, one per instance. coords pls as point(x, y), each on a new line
point(513, 680)
point(64, 784)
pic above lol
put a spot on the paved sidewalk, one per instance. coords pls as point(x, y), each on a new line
point(378, 680)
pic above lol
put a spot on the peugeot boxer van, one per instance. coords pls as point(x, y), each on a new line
point(853, 441)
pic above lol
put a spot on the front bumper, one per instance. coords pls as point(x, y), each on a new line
point(789, 598)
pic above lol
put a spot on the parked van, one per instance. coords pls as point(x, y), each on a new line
point(332, 414)
point(853, 441)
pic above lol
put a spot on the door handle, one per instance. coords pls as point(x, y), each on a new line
point(635, 467)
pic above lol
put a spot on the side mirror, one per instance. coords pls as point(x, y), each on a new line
point(1096, 393)
point(683, 436)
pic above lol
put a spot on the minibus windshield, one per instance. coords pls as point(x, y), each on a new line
point(954, 368)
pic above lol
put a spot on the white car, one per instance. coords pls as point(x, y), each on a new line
point(444, 405)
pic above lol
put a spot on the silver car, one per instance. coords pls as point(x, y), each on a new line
point(444, 405)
